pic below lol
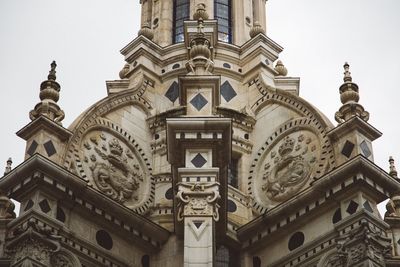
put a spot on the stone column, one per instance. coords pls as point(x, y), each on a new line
point(198, 209)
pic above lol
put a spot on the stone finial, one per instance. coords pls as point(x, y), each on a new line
point(49, 95)
point(349, 97)
point(146, 31)
point(8, 166)
point(280, 68)
point(256, 29)
point(6, 207)
point(200, 12)
point(392, 168)
point(124, 71)
point(200, 54)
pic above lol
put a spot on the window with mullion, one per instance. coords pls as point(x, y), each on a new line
point(222, 13)
point(181, 13)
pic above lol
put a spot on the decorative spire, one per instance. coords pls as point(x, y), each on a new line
point(349, 97)
point(392, 168)
point(146, 31)
point(8, 166)
point(256, 29)
point(201, 12)
point(49, 95)
point(280, 68)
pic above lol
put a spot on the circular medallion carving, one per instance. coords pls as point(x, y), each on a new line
point(114, 166)
point(286, 166)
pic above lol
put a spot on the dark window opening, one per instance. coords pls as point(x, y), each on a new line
point(222, 13)
point(181, 13)
point(256, 261)
point(146, 261)
point(233, 173)
point(222, 257)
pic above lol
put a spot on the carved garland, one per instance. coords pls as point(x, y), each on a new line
point(296, 158)
point(132, 96)
point(118, 166)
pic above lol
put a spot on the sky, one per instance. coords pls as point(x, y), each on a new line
point(85, 37)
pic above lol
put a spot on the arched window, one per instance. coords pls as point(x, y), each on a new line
point(181, 13)
point(222, 13)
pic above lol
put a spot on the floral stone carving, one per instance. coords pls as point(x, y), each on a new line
point(113, 167)
point(286, 167)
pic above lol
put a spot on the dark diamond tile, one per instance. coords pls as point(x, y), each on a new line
point(352, 207)
point(198, 161)
point(337, 216)
point(60, 214)
point(50, 149)
point(348, 149)
point(32, 148)
point(29, 205)
point(44, 206)
point(197, 224)
point(368, 207)
point(173, 92)
point(365, 149)
point(199, 101)
point(227, 91)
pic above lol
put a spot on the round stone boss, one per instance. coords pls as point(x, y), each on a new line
point(113, 163)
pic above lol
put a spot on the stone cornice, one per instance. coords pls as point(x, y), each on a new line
point(38, 171)
point(359, 171)
point(43, 123)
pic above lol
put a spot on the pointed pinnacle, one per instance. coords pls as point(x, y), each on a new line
point(52, 72)
point(8, 166)
point(347, 73)
point(392, 168)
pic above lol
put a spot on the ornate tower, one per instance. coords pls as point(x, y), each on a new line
point(201, 154)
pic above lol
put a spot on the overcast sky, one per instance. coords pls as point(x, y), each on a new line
point(85, 37)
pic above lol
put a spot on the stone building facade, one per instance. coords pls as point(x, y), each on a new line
point(202, 154)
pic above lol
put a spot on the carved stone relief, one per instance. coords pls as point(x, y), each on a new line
point(113, 167)
point(64, 258)
point(287, 166)
point(198, 200)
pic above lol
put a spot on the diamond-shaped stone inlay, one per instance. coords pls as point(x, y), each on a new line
point(347, 149)
point(365, 149)
point(32, 148)
point(173, 92)
point(337, 216)
point(352, 207)
point(199, 101)
point(44, 206)
point(198, 161)
point(368, 207)
point(50, 149)
point(227, 91)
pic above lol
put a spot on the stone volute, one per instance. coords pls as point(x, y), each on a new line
point(146, 31)
point(256, 29)
point(349, 97)
point(49, 95)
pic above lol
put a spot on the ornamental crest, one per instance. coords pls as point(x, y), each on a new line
point(287, 166)
point(112, 167)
